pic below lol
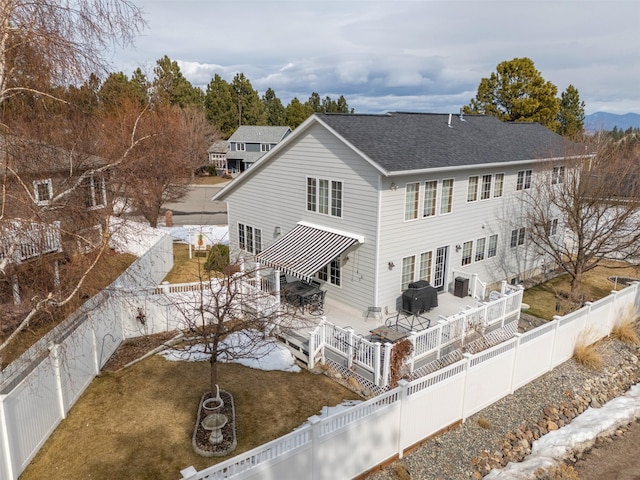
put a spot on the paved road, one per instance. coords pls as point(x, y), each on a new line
point(197, 208)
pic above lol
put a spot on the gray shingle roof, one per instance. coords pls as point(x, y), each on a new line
point(259, 134)
point(415, 141)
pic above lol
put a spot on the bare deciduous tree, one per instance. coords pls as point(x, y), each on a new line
point(586, 211)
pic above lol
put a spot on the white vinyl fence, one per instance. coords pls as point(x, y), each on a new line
point(351, 442)
point(39, 388)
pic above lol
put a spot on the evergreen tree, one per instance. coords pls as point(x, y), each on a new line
point(314, 103)
point(171, 86)
point(517, 92)
point(571, 114)
point(249, 108)
point(273, 108)
point(297, 112)
point(220, 107)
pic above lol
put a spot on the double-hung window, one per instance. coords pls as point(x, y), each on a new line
point(249, 238)
point(265, 147)
point(426, 260)
point(467, 249)
point(472, 189)
point(430, 192)
point(480, 244)
point(485, 193)
point(557, 175)
point(493, 246)
point(411, 197)
point(498, 185)
point(43, 191)
point(517, 237)
point(446, 197)
point(552, 227)
point(95, 191)
point(408, 271)
point(240, 147)
point(324, 196)
point(524, 180)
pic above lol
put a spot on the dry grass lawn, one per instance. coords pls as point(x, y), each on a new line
point(138, 422)
point(186, 269)
point(543, 298)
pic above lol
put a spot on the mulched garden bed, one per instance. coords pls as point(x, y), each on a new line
point(201, 443)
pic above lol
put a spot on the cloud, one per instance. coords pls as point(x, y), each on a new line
point(407, 52)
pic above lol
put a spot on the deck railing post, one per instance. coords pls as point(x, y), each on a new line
point(377, 362)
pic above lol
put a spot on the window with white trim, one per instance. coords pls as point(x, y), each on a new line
point(240, 147)
point(480, 244)
point(412, 194)
point(95, 191)
point(498, 185)
point(426, 259)
point(324, 196)
point(485, 192)
point(524, 180)
point(249, 238)
point(331, 272)
point(467, 249)
point(265, 147)
point(557, 175)
point(446, 197)
point(43, 191)
point(552, 227)
point(472, 189)
point(430, 192)
point(493, 246)
point(517, 237)
point(408, 271)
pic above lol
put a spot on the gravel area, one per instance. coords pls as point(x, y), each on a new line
point(504, 431)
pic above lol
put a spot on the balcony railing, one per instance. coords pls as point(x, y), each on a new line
point(23, 240)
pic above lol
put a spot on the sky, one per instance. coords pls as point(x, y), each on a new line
point(400, 55)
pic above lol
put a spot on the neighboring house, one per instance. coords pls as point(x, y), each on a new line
point(217, 156)
point(249, 143)
point(368, 204)
point(52, 206)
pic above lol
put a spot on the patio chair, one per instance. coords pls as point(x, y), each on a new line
point(316, 305)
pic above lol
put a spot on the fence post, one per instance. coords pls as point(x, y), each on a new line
point(315, 445)
point(556, 318)
point(467, 364)
point(377, 351)
point(404, 393)
point(7, 471)
point(386, 365)
point(518, 337)
point(54, 348)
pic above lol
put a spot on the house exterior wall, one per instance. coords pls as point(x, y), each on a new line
point(276, 196)
point(467, 222)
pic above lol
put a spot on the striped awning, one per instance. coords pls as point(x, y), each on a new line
point(306, 249)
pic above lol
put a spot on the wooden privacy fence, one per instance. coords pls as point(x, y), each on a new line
point(355, 440)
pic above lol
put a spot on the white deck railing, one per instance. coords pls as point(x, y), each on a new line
point(22, 240)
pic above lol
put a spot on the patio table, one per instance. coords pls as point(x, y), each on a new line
point(300, 294)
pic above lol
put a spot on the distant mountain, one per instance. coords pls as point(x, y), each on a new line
point(606, 121)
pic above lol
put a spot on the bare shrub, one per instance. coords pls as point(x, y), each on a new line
point(484, 423)
point(624, 328)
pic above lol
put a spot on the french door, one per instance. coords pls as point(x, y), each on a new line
point(440, 268)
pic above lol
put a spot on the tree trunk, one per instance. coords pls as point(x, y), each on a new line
point(214, 372)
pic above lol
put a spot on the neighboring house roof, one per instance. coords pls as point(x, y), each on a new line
point(259, 134)
point(402, 143)
point(255, 134)
point(417, 141)
point(219, 146)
